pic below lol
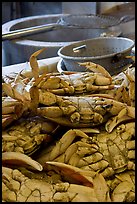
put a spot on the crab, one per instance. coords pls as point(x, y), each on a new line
point(41, 187)
point(124, 90)
point(11, 110)
point(14, 99)
point(122, 187)
point(27, 135)
point(71, 83)
point(74, 111)
point(106, 153)
point(81, 111)
point(74, 83)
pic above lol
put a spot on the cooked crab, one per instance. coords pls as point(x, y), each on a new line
point(71, 83)
point(27, 182)
point(122, 187)
point(27, 135)
point(124, 90)
point(16, 187)
point(81, 111)
point(106, 153)
point(74, 111)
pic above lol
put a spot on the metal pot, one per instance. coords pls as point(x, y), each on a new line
point(17, 51)
point(110, 52)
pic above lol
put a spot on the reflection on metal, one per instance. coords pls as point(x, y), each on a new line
point(79, 48)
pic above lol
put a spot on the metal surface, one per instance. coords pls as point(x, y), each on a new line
point(110, 52)
point(18, 51)
point(124, 64)
point(70, 21)
point(30, 31)
point(90, 20)
point(127, 11)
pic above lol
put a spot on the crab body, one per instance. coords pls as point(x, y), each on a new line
point(74, 83)
point(82, 111)
point(27, 135)
point(106, 153)
point(124, 89)
point(122, 187)
point(21, 186)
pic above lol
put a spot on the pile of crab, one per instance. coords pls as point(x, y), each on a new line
point(69, 136)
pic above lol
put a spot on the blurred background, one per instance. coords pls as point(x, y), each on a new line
point(19, 15)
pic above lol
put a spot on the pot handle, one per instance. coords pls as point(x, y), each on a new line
point(126, 59)
point(117, 57)
point(77, 49)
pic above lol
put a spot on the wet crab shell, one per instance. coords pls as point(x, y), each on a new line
point(27, 135)
point(18, 187)
point(106, 153)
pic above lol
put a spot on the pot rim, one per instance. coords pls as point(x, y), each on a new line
point(6, 27)
point(96, 57)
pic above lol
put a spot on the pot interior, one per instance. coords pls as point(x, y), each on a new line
point(63, 34)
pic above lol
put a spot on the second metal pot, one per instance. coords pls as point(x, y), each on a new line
point(110, 52)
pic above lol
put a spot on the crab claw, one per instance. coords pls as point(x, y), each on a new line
point(12, 92)
point(95, 68)
point(6, 120)
point(34, 64)
point(101, 189)
point(81, 177)
point(127, 113)
point(71, 173)
point(16, 158)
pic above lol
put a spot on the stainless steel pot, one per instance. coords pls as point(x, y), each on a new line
point(110, 52)
point(70, 21)
point(19, 50)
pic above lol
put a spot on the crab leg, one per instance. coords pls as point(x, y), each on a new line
point(65, 145)
point(34, 63)
point(62, 145)
point(127, 113)
point(131, 79)
point(72, 173)
point(7, 119)
point(11, 110)
point(101, 188)
point(95, 68)
point(81, 111)
point(17, 158)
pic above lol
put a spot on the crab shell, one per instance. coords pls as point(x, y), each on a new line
point(124, 90)
point(16, 187)
point(27, 135)
point(74, 83)
point(106, 153)
point(80, 111)
point(123, 187)
point(71, 83)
